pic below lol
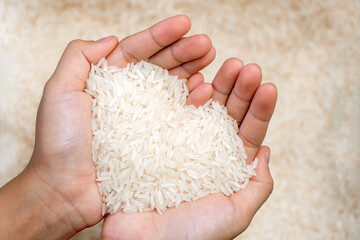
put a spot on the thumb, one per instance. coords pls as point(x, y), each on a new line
point(253, 196)
point(74, 66)
point(262, 169)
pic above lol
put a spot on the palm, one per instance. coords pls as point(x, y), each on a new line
point(65, 151)
point(210, 217)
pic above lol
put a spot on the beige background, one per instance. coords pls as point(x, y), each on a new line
point(309, 49)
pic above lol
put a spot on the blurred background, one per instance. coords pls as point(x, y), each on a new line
point(309, 48)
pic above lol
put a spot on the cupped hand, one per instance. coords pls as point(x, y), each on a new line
point(216, 216)
point(62, 158)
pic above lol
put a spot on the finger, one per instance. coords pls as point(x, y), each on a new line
point(241, 95)
point(74, 65)
point(146, 43)
point(252, 197)
point(194, 81)
point(225, 79)
point(254, 126)
point(262, 170)
point(184, 50)
point(200, 95)
point(187, 69)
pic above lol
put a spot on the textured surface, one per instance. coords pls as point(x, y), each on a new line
point(309, 49)
point(151, 150)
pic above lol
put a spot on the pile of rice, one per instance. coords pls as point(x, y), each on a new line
point(150, 149)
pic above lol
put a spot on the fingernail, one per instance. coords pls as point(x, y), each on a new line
point(267, 157)
point(105, 39)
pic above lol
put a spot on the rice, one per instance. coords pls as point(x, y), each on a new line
point(150, 149)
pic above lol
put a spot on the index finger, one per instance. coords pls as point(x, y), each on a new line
point(146, 43)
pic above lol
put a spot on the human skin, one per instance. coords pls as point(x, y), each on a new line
point(56, 195)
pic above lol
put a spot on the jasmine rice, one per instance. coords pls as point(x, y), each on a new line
point(150, 149)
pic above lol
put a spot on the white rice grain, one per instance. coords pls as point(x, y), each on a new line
point(150, 149)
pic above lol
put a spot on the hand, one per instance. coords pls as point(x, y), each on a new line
point(60, 178)
point(216, 216)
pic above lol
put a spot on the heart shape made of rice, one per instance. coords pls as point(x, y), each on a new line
point(150, 149)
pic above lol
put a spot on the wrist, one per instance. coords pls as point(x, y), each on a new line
point(30, 208)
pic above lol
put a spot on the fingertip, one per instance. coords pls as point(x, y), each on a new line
point(205, 40)
point(267, 157)
point(262, 169)
point(185, 20)
point(107, 39)
point(200, 43)
point(111, 41)
point(205, 91)
point(231, 68)
point(230, 71)
point(108, 44)
point(212, 54)
point(101, 48)
point(251, 75)
point(194, 81)
point(200, 95)
point(266, 100)
point(226, 76)
point(272, 89)
point(234, 62)
point(262, 152)
point(264, 148)
point(114, 40)
point(267, 152)
point(182, 23)
point(273, 94)
point(254, 67)
point(208, 88)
